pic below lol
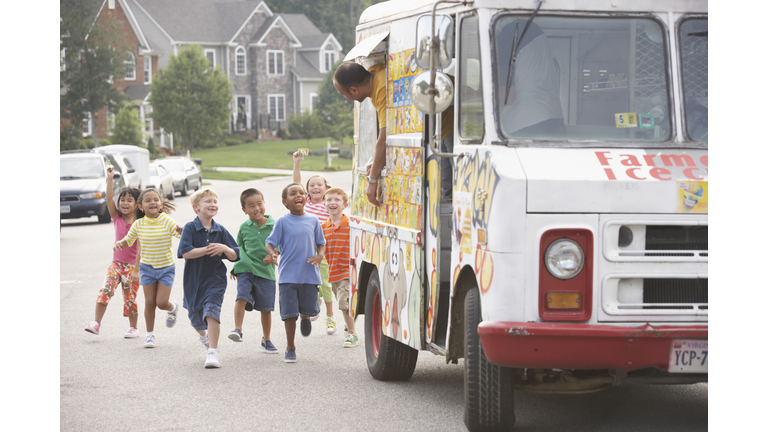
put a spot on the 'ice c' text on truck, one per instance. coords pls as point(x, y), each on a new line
point(571, 254)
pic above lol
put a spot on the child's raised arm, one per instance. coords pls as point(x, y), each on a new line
point(111, 207)
point(296, 168)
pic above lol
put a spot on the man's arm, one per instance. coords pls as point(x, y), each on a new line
point(379, 159)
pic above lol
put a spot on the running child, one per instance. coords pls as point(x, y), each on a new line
point(124, 270)
point(336, 231)
point(255, 272)
point(302, 245)
point(154, 230)
point(204, 243)
point(317, 185)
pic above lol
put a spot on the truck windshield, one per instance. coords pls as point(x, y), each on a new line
point(582, 79)
point(81, 168)
point(694, 43)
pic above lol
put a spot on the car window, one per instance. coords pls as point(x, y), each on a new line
point(173, 165)
point(127, 163)
point(162, 170)
point(152, 170)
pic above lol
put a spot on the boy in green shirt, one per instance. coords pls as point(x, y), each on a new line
point(255, 272)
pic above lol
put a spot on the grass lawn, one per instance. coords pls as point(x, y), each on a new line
point(270, 154)
point(210, 174)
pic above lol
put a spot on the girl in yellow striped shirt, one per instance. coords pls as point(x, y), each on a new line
point(154, 229)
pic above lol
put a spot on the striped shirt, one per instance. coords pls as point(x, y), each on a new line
point(337, 248)
point(155, 236)
point(317, 210)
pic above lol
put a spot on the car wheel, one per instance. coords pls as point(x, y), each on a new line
point(488, 389)
point(184, 189)
point(199, 183)
point(162, 194)
point(173, 193)
point(388, 359)
point(105, 217)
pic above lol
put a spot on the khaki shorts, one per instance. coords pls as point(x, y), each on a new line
point(341, 291)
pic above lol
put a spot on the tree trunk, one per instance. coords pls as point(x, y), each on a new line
point(93, 131)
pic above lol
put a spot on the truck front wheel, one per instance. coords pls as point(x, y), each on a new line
point(388, 359)
point(488, 389)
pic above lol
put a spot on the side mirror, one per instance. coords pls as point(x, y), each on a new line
point(420, 92)
point(131, 170)
point(443, 36)
point(117, 175)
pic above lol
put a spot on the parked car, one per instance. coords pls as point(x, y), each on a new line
point(162, 180)
point(134, 157)
point(122, 164)
point(186, 173)
point(83, 184)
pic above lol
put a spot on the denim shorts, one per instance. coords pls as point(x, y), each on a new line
point(257, 291)
point(197, 318)
point(298, 299)
point(149, 275)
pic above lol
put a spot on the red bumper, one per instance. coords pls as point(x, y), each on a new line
point(580, 346)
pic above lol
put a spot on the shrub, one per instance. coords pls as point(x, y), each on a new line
point(283, 134)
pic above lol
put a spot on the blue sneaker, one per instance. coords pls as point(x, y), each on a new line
point(236, 335)
point(306, 327)
point(268, 347)
point(290, 356)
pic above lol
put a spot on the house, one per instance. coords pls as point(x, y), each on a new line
point(274, 61)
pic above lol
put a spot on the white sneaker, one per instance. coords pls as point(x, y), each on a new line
point(212, 359)
point(132, 332)
point(149, 342)
point(93, 327)
point(170, 317)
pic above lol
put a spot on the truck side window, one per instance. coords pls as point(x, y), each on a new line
point(471, 126)
point(694, 41)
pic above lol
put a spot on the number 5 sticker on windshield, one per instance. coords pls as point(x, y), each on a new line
point(626, 120)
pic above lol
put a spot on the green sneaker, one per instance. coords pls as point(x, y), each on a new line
point(330, 325)
point(350, 341)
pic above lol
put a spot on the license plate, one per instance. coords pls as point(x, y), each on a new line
point(688, 356)
point(65, 209)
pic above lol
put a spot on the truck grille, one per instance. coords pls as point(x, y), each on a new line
point(694, 292)
point(70, 198)
point(667, 237)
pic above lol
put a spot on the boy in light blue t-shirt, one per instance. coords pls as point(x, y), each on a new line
point(302, 247)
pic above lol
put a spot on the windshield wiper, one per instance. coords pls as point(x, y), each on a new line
point(515, 43)
point(69, 178)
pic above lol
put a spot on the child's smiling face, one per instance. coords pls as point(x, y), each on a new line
point(127, 205)
point(335, 204)
point(295, 200)
point(151, 204)
point(255, 208)
point(317, 189)
point(207, 207)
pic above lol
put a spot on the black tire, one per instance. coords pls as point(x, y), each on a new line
point(105, 217)
point(489, 403)
point(199, 183)
point(390, 360)
point(184, 189)
point(162, 192)
point(173, 193)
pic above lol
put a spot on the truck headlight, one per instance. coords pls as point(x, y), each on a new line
point(564, 259)
point(91, 195)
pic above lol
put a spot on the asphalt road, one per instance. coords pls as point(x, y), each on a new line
point(111, 383)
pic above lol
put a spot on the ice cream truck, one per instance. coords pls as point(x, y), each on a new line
point(571, 254)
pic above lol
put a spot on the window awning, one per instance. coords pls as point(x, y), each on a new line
point(366, 45)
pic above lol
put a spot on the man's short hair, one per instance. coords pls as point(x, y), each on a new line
point(350, 73)
point(337, 191)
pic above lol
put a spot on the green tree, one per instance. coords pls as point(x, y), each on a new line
point(189, 98)
point(92, 55)
point(335, 112)
point(306, 124)
point(127, 127)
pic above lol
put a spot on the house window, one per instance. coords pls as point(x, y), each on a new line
point(210, 54)
point(130, 66)
point(312, 102)
point(274, 62)
point(330, 56)
point(277, 107)
point(147, 70)
point(87, 125)
point(148, 124)
point(240, 61)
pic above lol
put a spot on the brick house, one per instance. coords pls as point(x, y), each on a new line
point(275, 61)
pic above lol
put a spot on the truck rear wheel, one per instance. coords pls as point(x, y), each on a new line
point(388, 359)
point(488, 389)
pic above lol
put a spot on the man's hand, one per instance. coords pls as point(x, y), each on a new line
point(372, 193)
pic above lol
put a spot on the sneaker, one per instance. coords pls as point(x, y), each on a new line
point(268, 347)
point(306, 327)
point(290, 356)
point(212, 359)
point(132, 333)
point(204, 341)
point(93, 327)
point(350, 341)
point(149, 342)
point(330, 325)
point(319, 306)
point(170, 317)
point(236, 335)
